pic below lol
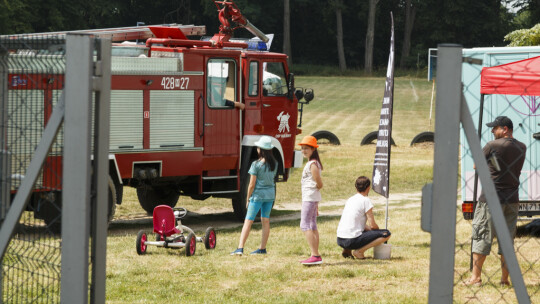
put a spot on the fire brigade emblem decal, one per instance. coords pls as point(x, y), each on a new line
point(283, 119)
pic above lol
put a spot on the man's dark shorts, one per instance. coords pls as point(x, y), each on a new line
point(365, 238)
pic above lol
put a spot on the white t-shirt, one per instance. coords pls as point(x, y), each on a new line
point(310, 193)
point(353, 220)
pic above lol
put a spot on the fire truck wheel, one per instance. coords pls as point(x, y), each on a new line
point(50, 210)
point(239, 202)
point(371, 137)
point(119, 192)
point(150, 197)
point(113, 200)
point(249, 154)
point(326, 137)
point(423, 137)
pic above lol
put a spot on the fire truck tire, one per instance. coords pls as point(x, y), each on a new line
point(372, 136)
point(239, 202)
point(113, 199)
point(150, 197)
point(324, 136)
point(423, 137)
point(119, 192)
point(51, 211)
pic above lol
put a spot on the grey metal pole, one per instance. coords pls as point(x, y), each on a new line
point(5, 158)
point(445, 175)
point(76, 169)
point(101, 171)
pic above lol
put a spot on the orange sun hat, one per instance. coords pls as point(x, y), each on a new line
point(309, 141)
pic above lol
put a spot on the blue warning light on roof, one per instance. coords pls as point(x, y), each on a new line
point(256, 45)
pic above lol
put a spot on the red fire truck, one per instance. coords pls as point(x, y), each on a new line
point(174, 130)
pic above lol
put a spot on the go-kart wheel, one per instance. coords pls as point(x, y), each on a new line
point(191, 243)
point(140, 243)
point(159, 238)
point(210, 238)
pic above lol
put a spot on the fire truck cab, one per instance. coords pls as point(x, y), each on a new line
point(179, 133)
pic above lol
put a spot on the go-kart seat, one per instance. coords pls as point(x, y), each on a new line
point(164, 221)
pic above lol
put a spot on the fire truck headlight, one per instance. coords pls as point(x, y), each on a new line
point(309, 95)
point(299, 94)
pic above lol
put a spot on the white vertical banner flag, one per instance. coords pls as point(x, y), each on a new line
point(381, 165)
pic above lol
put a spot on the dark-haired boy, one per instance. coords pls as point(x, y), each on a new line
point(357, 230)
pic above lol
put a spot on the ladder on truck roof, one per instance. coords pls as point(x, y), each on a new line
point(177, 31)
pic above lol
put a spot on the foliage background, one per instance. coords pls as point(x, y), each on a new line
point(313, 22)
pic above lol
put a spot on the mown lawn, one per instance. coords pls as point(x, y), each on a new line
point(349, 107)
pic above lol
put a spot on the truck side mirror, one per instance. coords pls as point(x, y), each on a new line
point(290, 86)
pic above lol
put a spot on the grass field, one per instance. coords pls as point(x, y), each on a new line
point(349, 107)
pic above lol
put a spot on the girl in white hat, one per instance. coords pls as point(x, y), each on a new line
point(261, 194)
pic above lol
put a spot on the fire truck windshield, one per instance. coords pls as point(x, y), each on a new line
point(274, 81)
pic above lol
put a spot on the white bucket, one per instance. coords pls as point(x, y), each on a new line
point(382, 252)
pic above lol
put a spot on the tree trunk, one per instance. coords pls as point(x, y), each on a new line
point(287, 30)
point(340, 49)
point(410, 12)
point(368, 58)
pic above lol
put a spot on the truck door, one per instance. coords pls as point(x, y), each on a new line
point(221, 122)
point(279, 114)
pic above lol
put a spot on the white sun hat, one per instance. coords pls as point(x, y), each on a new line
point(265, 142)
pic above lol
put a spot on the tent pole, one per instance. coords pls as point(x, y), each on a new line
point(431, 103)
point(479, 137)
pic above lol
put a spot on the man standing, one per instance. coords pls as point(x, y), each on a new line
point(505, 156)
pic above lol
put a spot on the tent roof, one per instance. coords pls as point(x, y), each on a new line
point(515, 78)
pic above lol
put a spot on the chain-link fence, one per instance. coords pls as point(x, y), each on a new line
point(32, 80)
point(508, 89)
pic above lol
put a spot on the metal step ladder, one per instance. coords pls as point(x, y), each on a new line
point(218, 184)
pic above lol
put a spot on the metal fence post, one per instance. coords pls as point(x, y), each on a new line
point(101, 171)
point(76, 169)
point(445, 175)
point(5, 168)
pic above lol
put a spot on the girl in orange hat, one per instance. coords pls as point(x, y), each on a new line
point(311, 196)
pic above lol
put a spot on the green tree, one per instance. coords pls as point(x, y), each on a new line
point(524, 37)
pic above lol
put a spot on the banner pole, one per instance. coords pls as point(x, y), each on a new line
point(386, 215)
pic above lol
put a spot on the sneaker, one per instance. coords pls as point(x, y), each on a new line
point(259, 251)
point(238, 251)
point(313, 260)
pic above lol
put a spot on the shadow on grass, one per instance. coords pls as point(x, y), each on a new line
point(217, 220)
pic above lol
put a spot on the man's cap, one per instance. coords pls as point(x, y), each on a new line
point(501, 121)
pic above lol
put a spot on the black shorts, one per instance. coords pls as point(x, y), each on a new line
point(365, 238)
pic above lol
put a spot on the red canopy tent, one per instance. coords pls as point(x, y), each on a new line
point(515, 78)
